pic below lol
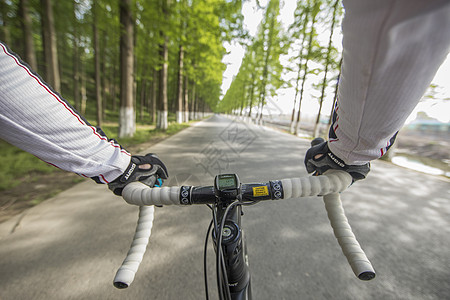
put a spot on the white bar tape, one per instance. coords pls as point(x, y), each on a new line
point(137, 193)
point(125, 274)
point(331, 182)
point(356, 257)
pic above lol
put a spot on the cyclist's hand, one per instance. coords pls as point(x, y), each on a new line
point(146, 169)
point(320, 159)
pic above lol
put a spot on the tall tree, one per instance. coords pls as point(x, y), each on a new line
point(76, 59)
point(252, 65)
point(50, 49)
point(162, 120)
point(4, 22)
point(127, 122)
point(180, 85)
point(154, 96)
point(112, 29)
point(310, 53)
point(330, 119)
point(190, 33)
point(271, 36)
point(186, 100)
point(30, 54)
point(208, 24)
point(98, 85)
point(301, 21)
point(260, 72)
point(162, 117)
point(244, 88)
point(182, 10)
point(329, 63)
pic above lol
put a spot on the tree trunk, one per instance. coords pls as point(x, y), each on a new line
point(305, 23)
point(49, 41)
point(103, 72)
point(330, 120)
point(98, 85)
point(4, 28)
point(30, 55)
point(148, 99)
point(135, 72)
point(262, 97)
point(252, 94)
point(291, 130)
point(180, 86)
point(127, 122)
point(244, 96)
point(154, 95)
point(192, 103)
point(186, 100)
point(310, 44)
point(196, 108)
point(83, 89)
point(203, 110)
point(327, 64)
point(76, 59)
point(302, 46)
point(142, 99)
point(162, 122)
point(113, 86)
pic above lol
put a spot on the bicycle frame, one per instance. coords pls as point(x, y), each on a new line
point(237, 276)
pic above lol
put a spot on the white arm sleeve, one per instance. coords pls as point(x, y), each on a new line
point(38, 120)
point(392, 50)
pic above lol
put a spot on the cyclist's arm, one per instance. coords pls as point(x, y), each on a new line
point(38, 120)
point(392, 50)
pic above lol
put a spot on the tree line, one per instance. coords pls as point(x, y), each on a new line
point(143, 59)
point(126, 59)
point(312, 60)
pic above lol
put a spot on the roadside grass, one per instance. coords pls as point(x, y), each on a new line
point(144, 133)
point(17, 165)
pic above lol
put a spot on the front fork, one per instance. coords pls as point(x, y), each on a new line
point(235, 253)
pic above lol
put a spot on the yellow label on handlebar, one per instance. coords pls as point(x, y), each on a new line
point(259, 191)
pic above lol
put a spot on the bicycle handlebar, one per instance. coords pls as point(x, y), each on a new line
point(125, 274)
point(137, 193)
point(329, 185)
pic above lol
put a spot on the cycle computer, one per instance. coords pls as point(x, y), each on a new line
point(227, 186)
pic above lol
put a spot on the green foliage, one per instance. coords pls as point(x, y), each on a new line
point(434, 92)
point(206, 29)
point(200, 27)
point(314, 61)
point(260, 73)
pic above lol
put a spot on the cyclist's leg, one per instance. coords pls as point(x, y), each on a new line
point(392, 50)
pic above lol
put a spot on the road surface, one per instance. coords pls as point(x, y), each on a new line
point(70, 246)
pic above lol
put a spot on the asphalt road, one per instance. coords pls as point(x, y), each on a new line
point(69, 247)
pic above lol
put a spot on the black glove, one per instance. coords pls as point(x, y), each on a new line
point(320, 159)
point(134, 173)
